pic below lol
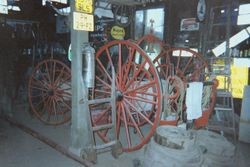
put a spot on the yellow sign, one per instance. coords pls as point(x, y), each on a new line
point(117, 32)
point(239, 78)
point(82, 21)
point(85, 6)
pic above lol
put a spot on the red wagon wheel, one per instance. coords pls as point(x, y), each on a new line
point(138, 93)
point(188, 64)
point(176, 63)
point(49, 92)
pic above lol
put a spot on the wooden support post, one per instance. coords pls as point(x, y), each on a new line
point(80, 134)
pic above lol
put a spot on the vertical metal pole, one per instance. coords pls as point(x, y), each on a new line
point(227, 53)
point(169, 19)
point(79, 127)
point(201, 37)
point(206, 30)
point(228, 28)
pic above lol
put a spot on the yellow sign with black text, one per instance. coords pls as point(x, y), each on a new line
point(85, 6)
point(83, 21)
point(118, 32)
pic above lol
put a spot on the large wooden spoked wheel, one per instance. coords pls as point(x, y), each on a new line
point(188, 64)
point(138, 93)
point(49, 92)
point(179, 65)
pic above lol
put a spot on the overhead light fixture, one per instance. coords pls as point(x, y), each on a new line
point(14, 8)
point(65, 10)
point(56, 1)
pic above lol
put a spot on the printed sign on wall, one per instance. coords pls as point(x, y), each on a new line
point(189, 24)
point(85, 6)
point(118, 32)
point(83, 21)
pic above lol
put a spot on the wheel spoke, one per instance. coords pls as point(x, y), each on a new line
point(65, 80)
point(103, 82)
point(136, 74)
point(179, 59)
point(142, 87)
point(103, 113)
point(39, 88)
point(53, 72)
point(103, 69)
point(136, 110)
point(47, 72)
point(37, 95)
point(39, 83)
point(147, 93)
point(38, 104)
point(48, 108)
point(139, 98)
point(126, 125)
point(62, 93)
point(55, 109)
point(187, 65)
point(62, 100)
point(118, 124)
point(135, 125)
point(128, 65)
point(120, 65)
point(59, 76)
point(102, 92)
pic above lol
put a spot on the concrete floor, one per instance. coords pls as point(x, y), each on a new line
point(19, 149)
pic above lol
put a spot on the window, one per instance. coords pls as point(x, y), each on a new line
point(147, 19)
point(150, 21)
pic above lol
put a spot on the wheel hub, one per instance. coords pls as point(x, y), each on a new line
point(119, 96)
point(51, 92)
